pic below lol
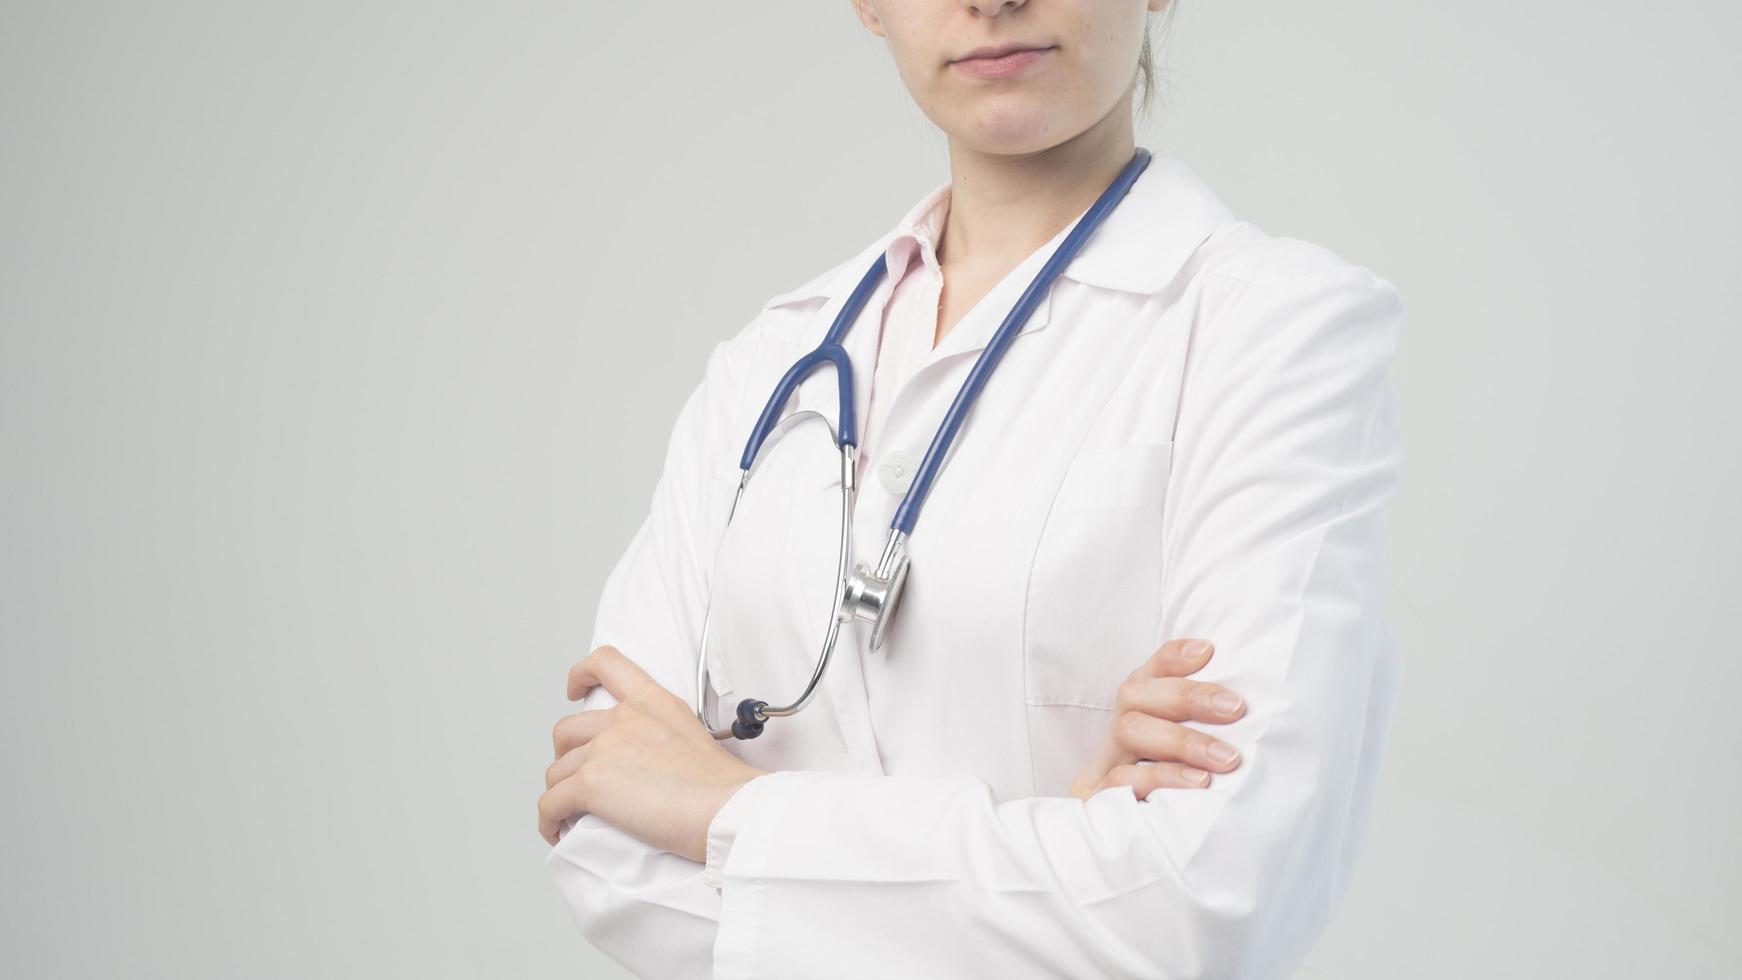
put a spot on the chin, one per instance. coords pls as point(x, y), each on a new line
point(1012, 124)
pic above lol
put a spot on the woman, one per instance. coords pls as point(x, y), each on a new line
point(1192, 437)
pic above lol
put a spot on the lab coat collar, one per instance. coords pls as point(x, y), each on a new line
point(1141, 246)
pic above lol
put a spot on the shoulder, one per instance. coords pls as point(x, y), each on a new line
point(1242, 252)
point(1284, 323)
point(837, 279)
point(789, 316)
point(817, 288)
point(1289, 358)
point(1242, 258)
point(1260, 290)
point(756, 353)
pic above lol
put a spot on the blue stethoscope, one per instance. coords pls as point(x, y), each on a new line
point(865, 593)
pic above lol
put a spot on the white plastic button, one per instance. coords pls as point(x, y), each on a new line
point(896, 470)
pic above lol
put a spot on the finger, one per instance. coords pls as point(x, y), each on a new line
point(1146, 779)
point(1178, 699)
point(1177, 658)
point(578, 729)
point(558, 803)
point(564, 766)
point(1148, 737)
point(608, 666)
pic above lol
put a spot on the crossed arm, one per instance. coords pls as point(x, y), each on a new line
point(647, 767)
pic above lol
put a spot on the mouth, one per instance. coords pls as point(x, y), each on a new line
point(1001, 61)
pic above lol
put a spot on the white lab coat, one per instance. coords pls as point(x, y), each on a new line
point(1194, 435)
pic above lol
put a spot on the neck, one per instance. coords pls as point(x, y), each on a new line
point(1004, 206)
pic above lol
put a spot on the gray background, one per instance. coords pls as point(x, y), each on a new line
point(329, 393)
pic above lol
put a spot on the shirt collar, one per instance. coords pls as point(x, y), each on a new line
point(1139, 248)
point(919, 231)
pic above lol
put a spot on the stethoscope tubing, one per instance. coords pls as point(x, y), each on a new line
point(907, 513)
point(874, 593)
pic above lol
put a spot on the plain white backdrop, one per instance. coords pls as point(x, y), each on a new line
point(322, 421)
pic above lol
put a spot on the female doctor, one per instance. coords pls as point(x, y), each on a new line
point(1186, 434)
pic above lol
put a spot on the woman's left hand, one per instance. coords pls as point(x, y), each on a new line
point(645, 765)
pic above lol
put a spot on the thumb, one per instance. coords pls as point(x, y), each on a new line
point(1107, 755)
point(1177, 658)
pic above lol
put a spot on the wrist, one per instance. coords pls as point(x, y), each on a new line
point(714, 801)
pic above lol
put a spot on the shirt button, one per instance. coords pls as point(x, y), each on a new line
point(896, 470)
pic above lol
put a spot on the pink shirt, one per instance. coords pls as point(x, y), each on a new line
point(910, 319)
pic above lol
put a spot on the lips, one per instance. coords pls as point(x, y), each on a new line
point(1001, 61)
point(1000, 50)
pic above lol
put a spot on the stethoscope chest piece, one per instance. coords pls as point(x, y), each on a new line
point(872, 595)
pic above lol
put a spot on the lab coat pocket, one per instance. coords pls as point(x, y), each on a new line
point(1094, 591)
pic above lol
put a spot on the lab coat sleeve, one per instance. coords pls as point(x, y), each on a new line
point(646, 908)
point(1285, 462)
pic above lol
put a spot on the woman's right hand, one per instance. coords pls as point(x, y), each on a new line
point(1148, 710)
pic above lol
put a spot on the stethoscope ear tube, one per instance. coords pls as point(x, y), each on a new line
point(831, 351)
point(752, 715)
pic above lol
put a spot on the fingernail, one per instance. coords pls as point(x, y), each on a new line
point(1195, 649)
point(1226, 702)
point(1223, 753)
point(1197, 777)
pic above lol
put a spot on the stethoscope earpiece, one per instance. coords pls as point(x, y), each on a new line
point(750, 721)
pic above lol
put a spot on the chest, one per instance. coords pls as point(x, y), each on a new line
point(959, 290)
point(1035, 577)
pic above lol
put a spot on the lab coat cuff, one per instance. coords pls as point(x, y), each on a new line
point(723, 831)
point(761, 812)
point(741, 832)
